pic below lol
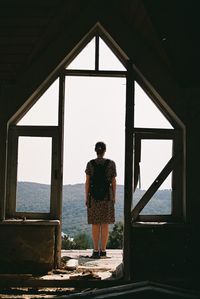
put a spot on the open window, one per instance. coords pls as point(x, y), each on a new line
point(40, 145)
point(171, 208)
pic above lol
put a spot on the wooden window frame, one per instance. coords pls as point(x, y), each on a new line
point(174, 165)
point(30, 131)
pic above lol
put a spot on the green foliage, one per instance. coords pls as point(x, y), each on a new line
point(115, 240)
point(67, 243)
point(80, 241)
point(34, 197)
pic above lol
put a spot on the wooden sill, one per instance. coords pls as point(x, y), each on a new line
point(29, 222)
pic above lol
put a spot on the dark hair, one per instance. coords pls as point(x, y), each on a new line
point(100, 147)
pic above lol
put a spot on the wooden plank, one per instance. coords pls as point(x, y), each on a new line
point(155, 218)
point(56, 200)
point(128, 178)
point(137, 158)
point(91, 73)
point(11, 173)
point(3, 166)
point(56, 283)
point(102, 289)
point(153, 188)
point(96, 52)
point(151, 133)
point(35, 131)
point(177, 179)
point(30, 215)
point(30, 222)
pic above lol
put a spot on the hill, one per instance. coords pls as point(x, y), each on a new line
point(36, 197)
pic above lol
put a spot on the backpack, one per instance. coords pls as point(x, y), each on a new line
point(99, 184)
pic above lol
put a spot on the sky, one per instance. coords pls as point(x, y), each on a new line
point(94, 111)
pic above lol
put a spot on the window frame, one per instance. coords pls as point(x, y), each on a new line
point(176, 170)
point(30, 131)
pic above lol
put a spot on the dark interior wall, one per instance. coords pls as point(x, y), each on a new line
point(170, 252)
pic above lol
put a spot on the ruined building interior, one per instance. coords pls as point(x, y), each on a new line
point(157, 43)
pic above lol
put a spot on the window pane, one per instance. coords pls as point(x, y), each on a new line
point(154, 156)
point(85, 59)
point(147, 115)
point(34, 174)
point(45, 111)
point(107, 59)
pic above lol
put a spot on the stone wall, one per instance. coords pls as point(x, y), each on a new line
point(26, 248)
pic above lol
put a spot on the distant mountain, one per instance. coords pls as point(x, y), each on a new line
point(36, 197)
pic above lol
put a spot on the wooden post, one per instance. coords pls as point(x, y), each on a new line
point(3, 167)
point(58, 213)
point(128, 179)
point(96, 53)
point(177, 179)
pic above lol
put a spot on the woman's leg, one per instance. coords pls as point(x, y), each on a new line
point(104, 236)
point(95, 236)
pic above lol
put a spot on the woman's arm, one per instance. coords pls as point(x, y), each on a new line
point(114, 188)
point(87, 187)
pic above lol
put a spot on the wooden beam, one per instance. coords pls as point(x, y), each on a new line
point(96, 52)
point(128, 178)
point(137, 158)
point(91, 73)
point(3, 166)
point(20, 281)
point(155, 219)
point(57, 196)
point(30, 222)
point(151, 133)
point(11, 173)
point(177, 179)
point(153, 188)
point(29, 215)
point(34, 131)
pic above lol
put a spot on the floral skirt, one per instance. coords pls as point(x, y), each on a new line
point(101, 212)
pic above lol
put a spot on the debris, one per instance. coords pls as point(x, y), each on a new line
point(85, 275)
point(65, 258)
point(72, 264)
point(118, 272)
point(60, 271)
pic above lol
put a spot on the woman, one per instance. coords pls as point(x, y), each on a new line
point(100, 212)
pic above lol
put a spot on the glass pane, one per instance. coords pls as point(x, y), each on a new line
point(147, 115)
point(34, 174)
point(45, 111)
point(107, 59)
point(85, 60)
point(154, 156)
